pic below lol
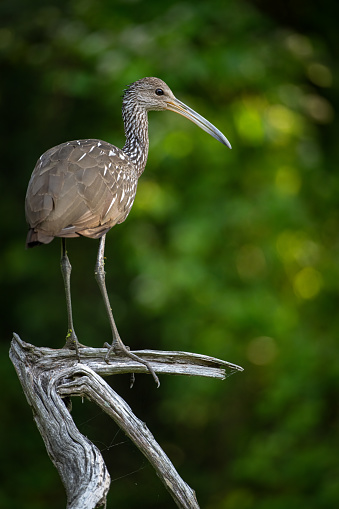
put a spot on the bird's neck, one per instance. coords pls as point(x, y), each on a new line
point(136, 131)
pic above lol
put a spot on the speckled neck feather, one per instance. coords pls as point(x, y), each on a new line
point(136, 131)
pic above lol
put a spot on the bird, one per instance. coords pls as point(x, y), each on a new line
point(83, 188)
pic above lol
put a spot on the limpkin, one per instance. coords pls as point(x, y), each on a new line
point(85, 187)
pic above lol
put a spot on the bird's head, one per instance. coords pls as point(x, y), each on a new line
point(153, 94)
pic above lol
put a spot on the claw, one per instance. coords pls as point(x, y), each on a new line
point(122, 350)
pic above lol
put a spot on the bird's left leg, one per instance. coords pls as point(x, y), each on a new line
point(117, 346)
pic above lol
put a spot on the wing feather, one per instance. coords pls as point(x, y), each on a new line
point(80, 188)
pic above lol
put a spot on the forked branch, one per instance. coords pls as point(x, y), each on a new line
point(47, 376)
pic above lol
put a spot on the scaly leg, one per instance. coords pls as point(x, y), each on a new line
point(66, 269)
point(117, 346)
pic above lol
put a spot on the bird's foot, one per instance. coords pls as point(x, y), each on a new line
point(118, 348)
point(72, 343)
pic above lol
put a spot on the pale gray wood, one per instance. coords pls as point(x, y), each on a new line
point(47, 376)
point(79, 463)
point(85, 382)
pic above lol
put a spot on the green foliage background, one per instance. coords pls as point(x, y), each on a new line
point(229, 253)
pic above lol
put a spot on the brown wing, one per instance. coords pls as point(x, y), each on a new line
point(80, 188)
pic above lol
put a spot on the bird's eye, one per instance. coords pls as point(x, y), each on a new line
point(159, 91)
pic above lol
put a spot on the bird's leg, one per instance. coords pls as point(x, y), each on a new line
point(100, 278)
point(66, 268)
point(117, 346)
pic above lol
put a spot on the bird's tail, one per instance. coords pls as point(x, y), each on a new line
point(36, 238)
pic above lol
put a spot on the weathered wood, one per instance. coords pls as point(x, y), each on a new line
point(79, 463)
point(47, 376)
point(97, 390)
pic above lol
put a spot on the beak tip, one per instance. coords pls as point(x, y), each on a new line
point(227, 143)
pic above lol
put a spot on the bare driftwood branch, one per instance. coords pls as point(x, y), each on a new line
point(47, 376)
point(97, 390)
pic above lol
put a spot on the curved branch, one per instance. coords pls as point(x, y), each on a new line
point(85, 382)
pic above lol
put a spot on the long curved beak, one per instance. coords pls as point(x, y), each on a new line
point(181, 108)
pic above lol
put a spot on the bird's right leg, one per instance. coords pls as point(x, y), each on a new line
point(66, 269)
point(117, 346)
